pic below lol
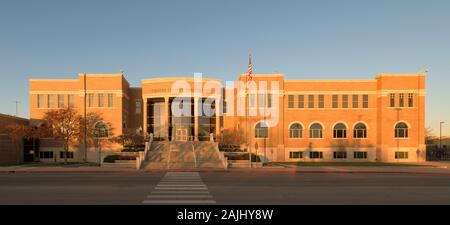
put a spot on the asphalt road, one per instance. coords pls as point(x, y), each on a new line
point(224, 188)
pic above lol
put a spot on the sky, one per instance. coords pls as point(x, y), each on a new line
point(314, 39)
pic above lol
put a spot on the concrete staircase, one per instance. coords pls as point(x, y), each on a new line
point(184, 155)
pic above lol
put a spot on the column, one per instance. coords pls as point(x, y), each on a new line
point(166, 115)
point(217, 105)
point(196, 118)
point(144, 120)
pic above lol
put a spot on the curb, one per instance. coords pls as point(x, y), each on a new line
point(217, 171)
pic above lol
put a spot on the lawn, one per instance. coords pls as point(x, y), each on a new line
point(342, 164)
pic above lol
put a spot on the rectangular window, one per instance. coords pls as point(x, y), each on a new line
point(224, 106)
point(310, 101)
point(100, 100)
point(410, 100)
point(340, 155)
point(321, 101)
point(344, 101)
point(301, 101)
point(91, 100)
point(50, 101)
point(262, 100)
point(70, 101)
point(392, 100)
point(252, 100)
point(315, 155)
point(335, 101)
point(365, 101)
point(139, 107)
point(290, 101)
point(60, 101)
point(295, 155)
point(110, 100)
point(360, 155)
point(45, 155)
point(401, 100)
point(355, 101)
point(62, 155)
point(401, 155)
point(40, 101)
point(269, 100)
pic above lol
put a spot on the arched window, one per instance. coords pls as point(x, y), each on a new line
point(315, 131)
point(101, 130)
point(295, 131)
point(360, 131)
point(261, 130)
point(340, 131)
point(401, 130)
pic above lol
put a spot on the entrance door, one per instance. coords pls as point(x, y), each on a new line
point(181, 134)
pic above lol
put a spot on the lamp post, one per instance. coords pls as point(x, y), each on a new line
point(395, 134)
point(440, 134)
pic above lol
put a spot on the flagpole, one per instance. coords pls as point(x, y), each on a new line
point(249, 128)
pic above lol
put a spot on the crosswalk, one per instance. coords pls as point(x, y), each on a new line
point(180, 188)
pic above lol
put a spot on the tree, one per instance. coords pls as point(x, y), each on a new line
point(232, 137)
point(64, 125)
point(129, 137)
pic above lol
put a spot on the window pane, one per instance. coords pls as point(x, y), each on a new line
point(321, 101)
point(410, 100)
point(355, 101)
point(301, 101)
point(401, 99)
point(70, 100)
point(60, 101)
point(392, 100)
point(269, 100)
point(138, 107)
point(365, 101)
point(100, 100)
point(290, 101)
point(344, 101)
point(110, 100)
point(51, 101)
point(91, 100)
point(335, 101)
point(311, 101)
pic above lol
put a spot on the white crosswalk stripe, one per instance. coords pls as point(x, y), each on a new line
point(180, 188)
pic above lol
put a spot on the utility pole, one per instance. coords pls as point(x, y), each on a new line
point(85, 119)
point(440, 134)
point(17, 107)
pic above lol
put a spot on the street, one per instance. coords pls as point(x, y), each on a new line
point(224, 188)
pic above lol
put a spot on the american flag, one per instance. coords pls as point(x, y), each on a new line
point(250, 69)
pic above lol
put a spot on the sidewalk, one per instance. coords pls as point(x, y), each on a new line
point(427, 168)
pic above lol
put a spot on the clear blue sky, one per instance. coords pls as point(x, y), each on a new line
point(302, 39)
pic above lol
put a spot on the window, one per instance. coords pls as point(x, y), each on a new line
point(50, 101)
point(401, 130)
point(62, 155)
point(355, 101)
point(60, 101)
point(401, 100)
point(301, 101)
point(139, 107)
point(340, 131)
point(40, 101)
point(101, 130)
point(91, 100)
point(344, 101)
point(70, 101)
point(401, 155)
point(315, 155)
point(45, 155)
point(321, 101)
point(310, 101)
point(410, 100)
point(295, 131)
point(365, 101)
point(392, 100)
point(110, 100)
point(340, 155)
point(261, 130)
point(290, 101)
point(335, 101)
point(100, 100)
point(269, 100)
point(295, 155)
point(360, 155)
point(315, 131)
point(360, 131)
point(252, 98)
point(262, 100)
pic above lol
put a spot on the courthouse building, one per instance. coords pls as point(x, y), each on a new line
point(380, 119)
